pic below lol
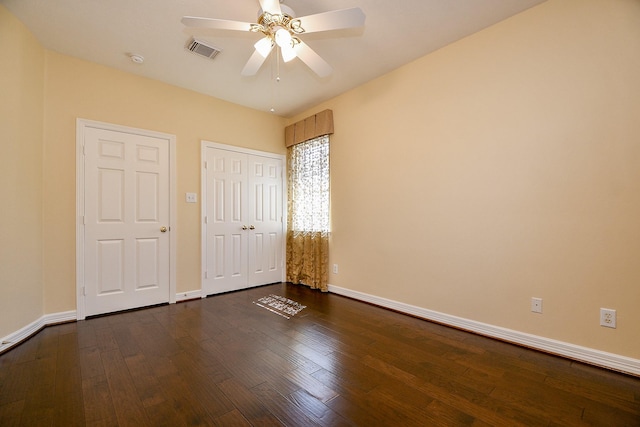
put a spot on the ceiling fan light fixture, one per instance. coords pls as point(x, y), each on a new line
point(283, 38)
point(264, 46)
point(288, 53)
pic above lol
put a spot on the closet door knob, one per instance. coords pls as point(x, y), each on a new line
point(163, 229)
point(244, 227)
point(252, 228)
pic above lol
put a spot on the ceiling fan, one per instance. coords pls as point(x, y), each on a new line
point(280, 27)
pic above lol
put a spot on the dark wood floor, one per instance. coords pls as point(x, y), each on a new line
point(225, 361)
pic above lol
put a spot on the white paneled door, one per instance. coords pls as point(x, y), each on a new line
point(243, 219)
point(126, 220)
point(266, 228)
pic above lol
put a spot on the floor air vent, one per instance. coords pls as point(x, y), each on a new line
point(200, 48)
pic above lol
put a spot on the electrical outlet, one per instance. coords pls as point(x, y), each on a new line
point(536, 305)
point(335, 268)
point(607, 318)
point(192, 198)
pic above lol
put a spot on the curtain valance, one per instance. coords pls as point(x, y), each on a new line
point(312, 127)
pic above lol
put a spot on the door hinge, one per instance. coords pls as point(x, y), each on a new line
point(206, 219)
point(206, 274)
point(84, 291)
point(83, 153)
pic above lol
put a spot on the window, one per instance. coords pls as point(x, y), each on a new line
point(308, 220)
point(309, 185)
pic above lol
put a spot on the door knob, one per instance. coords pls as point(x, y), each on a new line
point(244, 227)
point(252, 228)
point(163, 229)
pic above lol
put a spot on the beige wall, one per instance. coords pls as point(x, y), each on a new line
point(79, 89)
point(21, 103)
point(503, 167)
point(43, 93)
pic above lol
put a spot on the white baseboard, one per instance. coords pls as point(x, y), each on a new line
point(583, 354)
point(32, 328)
point(67, 316)
point(184, 296)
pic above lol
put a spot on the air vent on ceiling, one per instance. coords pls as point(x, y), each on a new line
point(203, 49)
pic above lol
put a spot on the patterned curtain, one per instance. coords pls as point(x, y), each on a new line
point(308, 213)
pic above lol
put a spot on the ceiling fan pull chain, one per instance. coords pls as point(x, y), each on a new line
point(278, 66)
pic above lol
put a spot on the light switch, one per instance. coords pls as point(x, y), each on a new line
point(192, 198)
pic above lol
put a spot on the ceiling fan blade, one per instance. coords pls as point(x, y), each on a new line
point(333, 20)
point(313, 60)
point(253, 64)
point(271, 6)
point(218, 24)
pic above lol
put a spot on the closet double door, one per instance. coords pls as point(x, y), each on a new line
point(243, 244)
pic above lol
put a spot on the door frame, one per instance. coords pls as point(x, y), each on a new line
point(203, 199)
point(81, 125)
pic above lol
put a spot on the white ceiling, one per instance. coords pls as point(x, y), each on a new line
point(395, 33)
